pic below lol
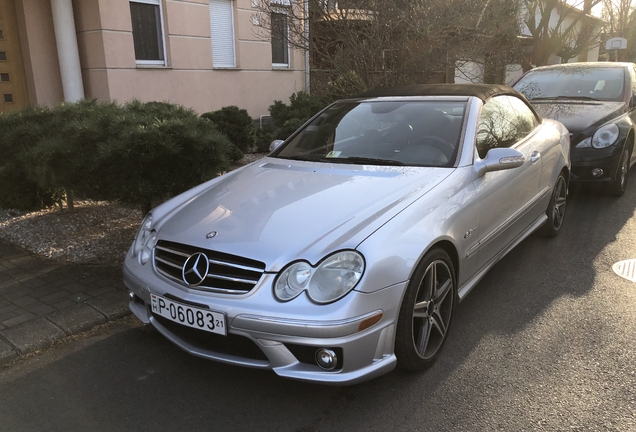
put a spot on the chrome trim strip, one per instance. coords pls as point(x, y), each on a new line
point(202, 288)
point(172, 251)
point(227, 278)
point(161, 260)
point(238, 266)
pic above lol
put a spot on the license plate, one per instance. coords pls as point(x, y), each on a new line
point(202, 319)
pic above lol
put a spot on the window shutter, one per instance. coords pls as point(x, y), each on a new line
point(222, 30)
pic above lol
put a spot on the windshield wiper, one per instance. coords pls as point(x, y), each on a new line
point(370, 161)
point(305, 158)
point(565, 97)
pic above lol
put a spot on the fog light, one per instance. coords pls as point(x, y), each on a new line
point(326, 359)
point(131, 295)
point(597, 172)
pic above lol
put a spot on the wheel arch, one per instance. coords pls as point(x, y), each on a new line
point(448, 247)
point(629, 141)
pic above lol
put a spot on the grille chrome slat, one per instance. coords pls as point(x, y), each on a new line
point(169, 263)
point(172, 251)
point(235, 266)
point(228, 274)
point(215, 276)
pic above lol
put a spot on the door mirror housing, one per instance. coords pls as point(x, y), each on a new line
point(499, 159)
point(275, 144)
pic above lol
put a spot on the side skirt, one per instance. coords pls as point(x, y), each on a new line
point(470, 283)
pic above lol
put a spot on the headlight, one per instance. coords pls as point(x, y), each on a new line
point(334, 278)
point(143, 235)
point(604, 137)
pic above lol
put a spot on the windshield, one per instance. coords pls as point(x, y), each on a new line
point(592, 83)
point(413, 133)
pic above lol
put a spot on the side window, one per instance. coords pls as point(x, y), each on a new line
point(526, 120)
point(503, 121)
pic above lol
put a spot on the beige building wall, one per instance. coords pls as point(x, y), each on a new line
point(39, 52)
point(111, 73)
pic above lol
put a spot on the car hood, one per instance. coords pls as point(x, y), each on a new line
point(277, 210)
point(579, 115)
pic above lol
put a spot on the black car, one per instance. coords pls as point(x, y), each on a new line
point(597, 103)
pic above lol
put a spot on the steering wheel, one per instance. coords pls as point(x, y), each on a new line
point(439, 143)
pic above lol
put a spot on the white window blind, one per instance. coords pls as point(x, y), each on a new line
point(222, 30)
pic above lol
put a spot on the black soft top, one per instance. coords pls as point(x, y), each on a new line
point(482, 91)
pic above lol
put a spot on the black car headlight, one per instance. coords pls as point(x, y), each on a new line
point(604, 136)
point(331, 280)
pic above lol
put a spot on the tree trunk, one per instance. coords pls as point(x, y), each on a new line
point(69, 200)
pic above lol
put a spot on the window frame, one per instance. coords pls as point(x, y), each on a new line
point(163, 62)
point(280, 11)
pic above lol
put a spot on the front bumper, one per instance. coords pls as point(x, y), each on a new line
point(264, 333)
point(587, 159)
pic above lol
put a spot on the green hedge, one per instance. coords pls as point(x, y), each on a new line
point(237, 125)
point(137, 153)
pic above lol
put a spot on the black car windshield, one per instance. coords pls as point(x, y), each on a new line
point(413, 133)
point(571, 82)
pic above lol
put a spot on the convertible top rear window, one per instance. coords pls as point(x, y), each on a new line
point(413, 133)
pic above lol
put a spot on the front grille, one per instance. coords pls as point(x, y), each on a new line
point(229, 274)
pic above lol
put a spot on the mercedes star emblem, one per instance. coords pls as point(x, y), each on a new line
point(195, 269)
point(211, 234)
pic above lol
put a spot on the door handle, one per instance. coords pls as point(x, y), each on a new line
point(535, 156)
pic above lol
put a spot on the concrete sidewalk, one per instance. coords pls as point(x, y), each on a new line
point(41, 302)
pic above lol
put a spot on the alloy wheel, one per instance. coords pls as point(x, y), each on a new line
point(433, 309)
point(560, 198)
point(624, 168)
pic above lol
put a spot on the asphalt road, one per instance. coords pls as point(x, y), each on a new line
point(547, 341)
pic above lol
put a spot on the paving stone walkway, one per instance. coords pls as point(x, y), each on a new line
point(41, 301)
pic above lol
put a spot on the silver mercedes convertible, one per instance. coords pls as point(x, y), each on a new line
point(344, 252)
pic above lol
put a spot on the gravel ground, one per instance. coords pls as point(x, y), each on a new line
point(96, 232)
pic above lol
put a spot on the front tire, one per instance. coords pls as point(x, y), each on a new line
point(556, 208)
point(426, 312)
point(617, 187)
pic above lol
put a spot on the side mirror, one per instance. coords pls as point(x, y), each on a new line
point(499, 159)
point(275, 144)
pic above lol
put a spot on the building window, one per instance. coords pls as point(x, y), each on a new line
point(147, 31)
point(280, 46)
point(5, 77)
point(8, 98)
point(222, 33)
point(1, 34)
point(3, 55)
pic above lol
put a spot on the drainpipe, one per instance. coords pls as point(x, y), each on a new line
point(67, 51)
point(307, 75)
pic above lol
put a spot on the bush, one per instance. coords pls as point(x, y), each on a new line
point(139, 153)
point(345, 85)
point(161, 151)
point(21, 132)
point(287, 118)
point(236, 124)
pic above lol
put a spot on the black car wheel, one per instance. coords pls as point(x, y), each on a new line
point(556, 208)
point(619, 184)
point(426, 312)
